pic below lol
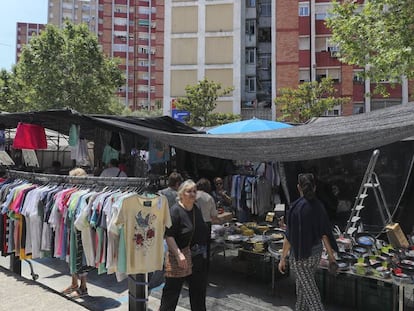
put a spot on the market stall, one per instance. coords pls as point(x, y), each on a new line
point(331, 137)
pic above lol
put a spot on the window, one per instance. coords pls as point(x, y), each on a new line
point(265, 34)
point(119, 48)
point(146, 10)
point(250, 56)
point(250, 26)
point(321, 44)
point(264, 61)
point(320, 16)
point(358, 108)
point(303, 9)
point(384, 103)
point(265, 9)
point(304, 43)
point(333, 73)
point(119, 8)
point(358, 76)
point(334, 112)
point(322, 11)
point(250, 3)
point(304, 75)
point(251, 84)
point(120, 21)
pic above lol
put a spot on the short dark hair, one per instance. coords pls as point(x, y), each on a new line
point(204, 185)
point(306, 182)
point(174, 178)
point(114, 162)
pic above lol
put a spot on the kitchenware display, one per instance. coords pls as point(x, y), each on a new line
point(399, 277)
point(361, 249)
point(361, 268)
point(348, 257)
point(365, 239)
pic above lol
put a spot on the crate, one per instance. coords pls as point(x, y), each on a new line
point(375, 295)
point(341, 290)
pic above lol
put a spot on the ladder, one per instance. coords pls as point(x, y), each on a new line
point(369, 181)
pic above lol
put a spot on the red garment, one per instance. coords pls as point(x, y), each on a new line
point(30, 136)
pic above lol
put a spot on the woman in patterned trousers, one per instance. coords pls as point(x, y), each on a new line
point(307, 227)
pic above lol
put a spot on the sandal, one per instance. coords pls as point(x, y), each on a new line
point(79, 293)
point(69, 290)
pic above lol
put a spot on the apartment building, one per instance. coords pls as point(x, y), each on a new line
point(258, 47)
point(24, 32)
point(303, 52)
point(202, 40)
point(126, 29)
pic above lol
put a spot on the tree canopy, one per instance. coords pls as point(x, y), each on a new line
point(378, 34)
point(201, 100)
point(65, 68)
point(310, 99)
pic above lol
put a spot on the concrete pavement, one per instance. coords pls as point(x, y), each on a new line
point(227, 291)
point(19, 293)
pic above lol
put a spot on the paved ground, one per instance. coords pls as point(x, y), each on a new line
point(228, 290)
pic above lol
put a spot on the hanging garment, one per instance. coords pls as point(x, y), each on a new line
point(73, 135)
point(158, 152)
point(143, 221)
point(30, 136)
point(115, 141)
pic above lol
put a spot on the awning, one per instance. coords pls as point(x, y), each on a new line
point(328, 137)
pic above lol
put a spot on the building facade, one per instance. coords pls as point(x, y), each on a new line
point(202, 40)
point(303, 52)
point(126, 29)
point(25, 32)
point(254, 46)
point(258, 47)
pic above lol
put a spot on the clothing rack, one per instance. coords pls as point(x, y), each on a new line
point(138, 283)
point(41, 178)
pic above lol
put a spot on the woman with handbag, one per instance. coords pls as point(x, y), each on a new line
point(186, 259)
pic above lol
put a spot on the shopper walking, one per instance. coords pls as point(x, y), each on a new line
point(307, 228)
point(186, 259)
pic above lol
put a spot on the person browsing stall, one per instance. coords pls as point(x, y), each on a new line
point(174, 181)
point(208, 208)
point(220, 195)
point(113, 170)
point(186, 259)
point(307, 229)
point(76, 290)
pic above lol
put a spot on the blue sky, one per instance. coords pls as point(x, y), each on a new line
point(11, 12)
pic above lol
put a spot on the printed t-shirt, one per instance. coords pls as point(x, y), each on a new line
point(144, 221)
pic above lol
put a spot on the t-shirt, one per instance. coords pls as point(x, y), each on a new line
point(207, 205)
point(143, 221)
point(188, 227)
point(171, 195)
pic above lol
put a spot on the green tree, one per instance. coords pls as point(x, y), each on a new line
point(310, 99)
point(65, 68)
point(11, 96)
point(379, 34)
point(5, 89)
point(200, 101)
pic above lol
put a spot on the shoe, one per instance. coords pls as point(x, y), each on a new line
point(69, 290)
point(79, 293)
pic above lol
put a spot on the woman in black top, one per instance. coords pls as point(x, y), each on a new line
point(306, 228)
point(188, 229)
